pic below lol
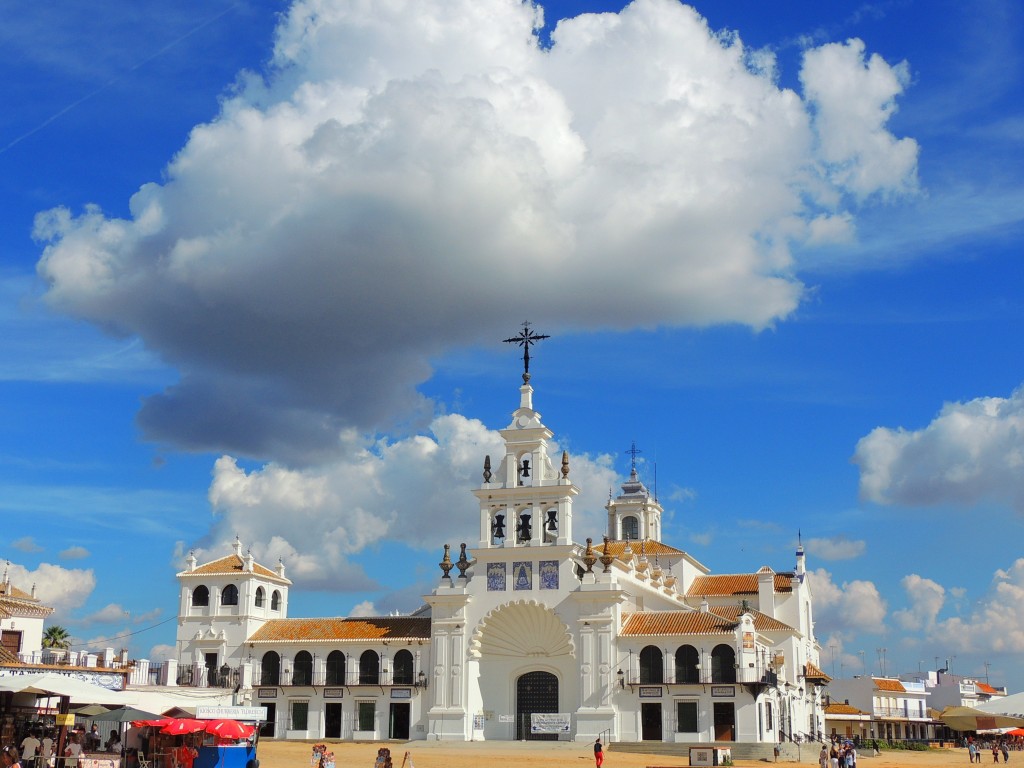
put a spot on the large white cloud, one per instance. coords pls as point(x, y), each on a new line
point(421, 174)
point(63, 589)
point(970, 452)
point(851, 607)
point(412, 491)
point(995, 624)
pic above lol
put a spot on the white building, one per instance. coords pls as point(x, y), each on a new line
point(898, 708)
point(630, 639)
point(21, 621)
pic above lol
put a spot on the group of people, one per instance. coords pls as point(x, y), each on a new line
point(35, 744)
point(975, 751)
point(838, 755)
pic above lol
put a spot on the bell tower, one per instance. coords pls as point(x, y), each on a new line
point(526, 500)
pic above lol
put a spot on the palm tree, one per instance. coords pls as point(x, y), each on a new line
point(56, 637)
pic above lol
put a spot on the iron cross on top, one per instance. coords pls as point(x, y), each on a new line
point(525, 338)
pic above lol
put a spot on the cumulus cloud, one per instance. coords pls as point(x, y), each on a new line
point(996, 624)
point(63, 589)
point(108, 614)
point(839, 547)
point(26, 544)
point(970, 452)
point(365, 608)
point(413, 491)
point(367, 206)
point(852, 97)
point(74, 553)
point(926, 600)
point(853, 606)
point(162, 652)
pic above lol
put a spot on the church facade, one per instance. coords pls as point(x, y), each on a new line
point(528, 634)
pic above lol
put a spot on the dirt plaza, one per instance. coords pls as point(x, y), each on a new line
point(290, 754)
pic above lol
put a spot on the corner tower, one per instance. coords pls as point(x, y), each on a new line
point(634, 514)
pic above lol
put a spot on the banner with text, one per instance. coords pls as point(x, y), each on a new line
point(549, 722)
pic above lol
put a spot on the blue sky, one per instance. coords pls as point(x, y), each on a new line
point(257, 262)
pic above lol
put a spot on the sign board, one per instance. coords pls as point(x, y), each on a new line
point(506, 718)
point(334, 693)
point(650, 691)
point(710, 755)
point(478, 722)
point(550, 722)
point(231, 713)
point(65, 720)
point(401, 693)
point(723, 690)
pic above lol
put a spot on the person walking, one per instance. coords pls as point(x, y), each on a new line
point(598, 753)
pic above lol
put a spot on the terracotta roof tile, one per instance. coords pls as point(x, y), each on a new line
point(843, 709)
point(9, 590)
point(719, 620)
point(7, 657)
point(650, 548)
point(811, 672)
point(728, 585)
point(675, 623)
point(232, 565)
point(27, 608)
point(340, 628)
point(885, 684)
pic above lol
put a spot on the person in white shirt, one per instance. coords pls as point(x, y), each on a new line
point(73, 751)
point(29, 748)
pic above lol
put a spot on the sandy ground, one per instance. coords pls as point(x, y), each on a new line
point(280, 754)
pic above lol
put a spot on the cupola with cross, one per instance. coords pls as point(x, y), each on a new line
point(526, 500)
point(634, 514)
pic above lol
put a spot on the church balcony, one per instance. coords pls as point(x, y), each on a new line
point(200, 676)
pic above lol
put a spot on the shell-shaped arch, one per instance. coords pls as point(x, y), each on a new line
point(524, 629)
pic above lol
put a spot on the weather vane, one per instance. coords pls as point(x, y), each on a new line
point(525, 338)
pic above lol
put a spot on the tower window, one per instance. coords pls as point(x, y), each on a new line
point(230, 595)
point(201, 595)
point(630, 528)
point(260, 595)
point(275, 601)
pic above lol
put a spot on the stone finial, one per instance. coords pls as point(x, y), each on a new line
point(280, 567)
point(487, 468)
point(606, 558)
point(589, 558)
point(192, 562)
point(565, 464)
point(463, 562)
point(446, 562)
point(238, 546)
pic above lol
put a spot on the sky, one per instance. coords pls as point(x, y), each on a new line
point(257, 260)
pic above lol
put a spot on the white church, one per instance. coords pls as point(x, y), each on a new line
point(529, 633)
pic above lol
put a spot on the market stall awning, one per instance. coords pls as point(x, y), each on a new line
point(49, 684)
point(970, 719)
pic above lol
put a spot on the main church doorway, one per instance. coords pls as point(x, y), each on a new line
point(535, 692)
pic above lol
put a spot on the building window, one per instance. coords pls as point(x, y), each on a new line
point(369, 668)
point(686, 717)
point(335, 668)
point(259, 597)
point(201, 595)
point(652, 665)
point(630, 528)
point(230, 595)
point(302, 669)
point(299, 715)
point(687, 664)
point(275, 601)
point(723, 664)
point(403, 668)
point(270, 669)
point(366, 711)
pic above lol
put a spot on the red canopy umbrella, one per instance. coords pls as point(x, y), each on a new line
point(229, 729)
point(1015, 732)
point(158, 723)
point(181, 726)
